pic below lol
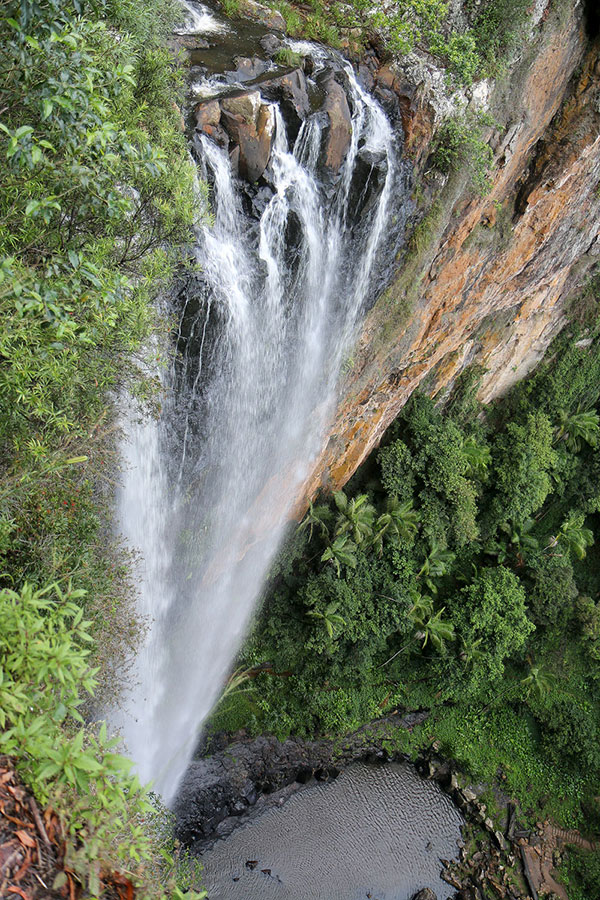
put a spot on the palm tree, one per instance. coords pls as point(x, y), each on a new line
point(429, 627)
point(581, 426)
point(331, 620)
point(477, 456)
point(471, 653)
point(436, 630)
point(400, 521)
point(316, 516)
point(422, 608)
point(436, 564)
point(356, 516)
point(574, 536)
point(518, 540)
point(538, 682)
point(341, 552)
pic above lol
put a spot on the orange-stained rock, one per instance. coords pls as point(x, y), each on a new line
point(496, 280)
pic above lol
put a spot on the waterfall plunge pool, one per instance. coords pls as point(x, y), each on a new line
point(377, 831)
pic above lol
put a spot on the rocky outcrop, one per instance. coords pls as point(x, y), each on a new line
point(291, 92)
point(425, 894)
point(338, 132)
point(489, 281)
point(245, 122)
point(264, 15)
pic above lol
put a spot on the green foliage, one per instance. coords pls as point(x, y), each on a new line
point(491, 612)
point(356, 517)
point(580, 872)
point(573, 536)
point(231, 8)
point(523, 460)
point(90, 196)
point(475, 51)
point(95, 184)
point(498, 30)
point(440, 466)
point(331, 620)
point(578, 427)
point(397, 473)
point(341, 552)
point(285, 56)
point(504, 740)
point(45, 677)
point(461, 144)
point(398, 524)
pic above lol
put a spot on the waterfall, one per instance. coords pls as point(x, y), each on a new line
point(198, 20)
point(263, 330)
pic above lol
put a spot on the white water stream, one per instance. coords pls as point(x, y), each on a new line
point(199, 20)
point(209, 487)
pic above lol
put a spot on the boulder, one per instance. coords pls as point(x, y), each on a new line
point(270, 44)
point(290, 90)
point(270, 18)
point(207, 114)
point(338, 132)
point(247, 69)
point(245, 106)
point(250, 124)
point(190, 42)
point(425, 894)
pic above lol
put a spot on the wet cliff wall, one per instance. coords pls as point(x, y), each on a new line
point(487, 279)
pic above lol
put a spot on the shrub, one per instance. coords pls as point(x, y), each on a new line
point(45, 677)
point(460, 144)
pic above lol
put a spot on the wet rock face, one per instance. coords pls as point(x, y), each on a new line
point(498, 270)
point(338, 133)
point(291, 91)
point(270, 44)
point(245, 123)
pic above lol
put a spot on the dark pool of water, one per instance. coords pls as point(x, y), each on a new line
point(376, 832)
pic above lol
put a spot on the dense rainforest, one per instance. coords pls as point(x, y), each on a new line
point(457, 572)
point(96, 186)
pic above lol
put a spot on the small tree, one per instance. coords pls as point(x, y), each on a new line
point(341, 553)
point(317, 517)
point(399, 522)
point(478, 457)
point(581, 426)
point(491, 617)
point(356, 516)
point(538, 682)
point(329, 617)
point(436, 630)
point(573, 536)
point(436, 564)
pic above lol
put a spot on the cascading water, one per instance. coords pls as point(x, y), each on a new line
point(263, 330)
point(198, 20)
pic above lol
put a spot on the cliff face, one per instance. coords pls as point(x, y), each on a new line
point(492, 283)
